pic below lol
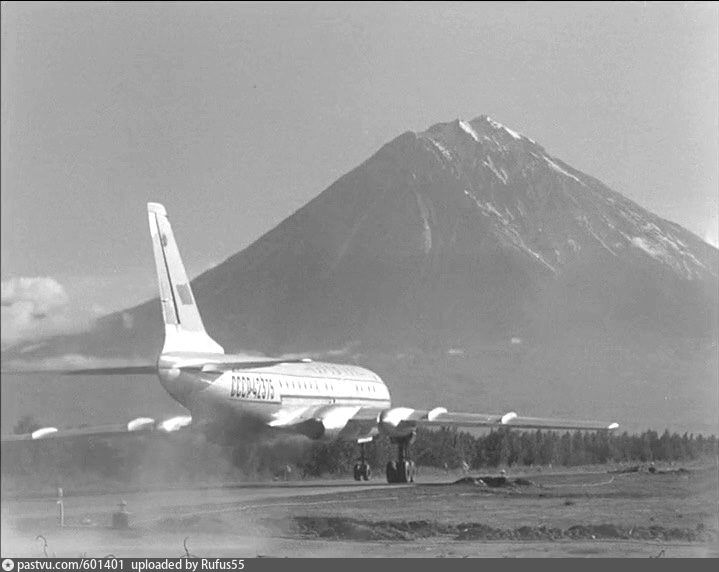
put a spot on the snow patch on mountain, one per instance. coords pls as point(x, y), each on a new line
point(647, 247)
point(659, 248)
point(521, 245)
point(427, 230)
point(660, 245)
point(587, 226)
point(469, 129)
point(498, 125)
point(442, 149)
point(559, 169)
point(488, 209)
point(599, 239)
point(501, 174)
point(508, 229)
point(483, 152)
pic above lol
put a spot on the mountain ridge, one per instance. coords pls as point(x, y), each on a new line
point(464, 236)
point(433, 180)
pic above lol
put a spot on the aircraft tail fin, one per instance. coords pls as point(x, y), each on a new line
point(184, 330)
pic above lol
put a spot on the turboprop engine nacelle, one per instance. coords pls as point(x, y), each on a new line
point(328, 423)
point(391, 422)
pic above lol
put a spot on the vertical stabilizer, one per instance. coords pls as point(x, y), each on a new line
point(184, 330)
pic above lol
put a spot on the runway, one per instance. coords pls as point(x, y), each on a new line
point(574, 514)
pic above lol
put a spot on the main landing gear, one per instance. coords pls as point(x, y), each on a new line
point(402, 470)
point(362, 470)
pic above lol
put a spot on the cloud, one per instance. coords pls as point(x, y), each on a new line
point(35, 308)
point(42, 293)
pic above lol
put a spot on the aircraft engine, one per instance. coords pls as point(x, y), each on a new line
point(316, 430)
point(141, 424)
point(43, 432)
point(175, 423)
point(328, 424)
point(392, 422)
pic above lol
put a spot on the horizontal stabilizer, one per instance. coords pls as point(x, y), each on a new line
point(126, 370)
point(129, 370)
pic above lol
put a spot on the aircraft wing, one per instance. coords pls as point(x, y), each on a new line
point(351, 422)
point(403, 418)
point(190, 365)
point(345, 422)
point(138, 425)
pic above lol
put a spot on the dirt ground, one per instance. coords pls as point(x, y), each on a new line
point(670, 513)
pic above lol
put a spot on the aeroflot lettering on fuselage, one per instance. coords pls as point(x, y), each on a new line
point(252, 387)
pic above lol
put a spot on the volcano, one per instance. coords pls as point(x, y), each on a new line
point(467, 263)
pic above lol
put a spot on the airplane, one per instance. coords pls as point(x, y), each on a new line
point(229, 395)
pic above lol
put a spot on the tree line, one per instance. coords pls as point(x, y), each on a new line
point(452, 449)
point(152, 459)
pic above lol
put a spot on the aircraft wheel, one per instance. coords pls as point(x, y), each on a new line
point(391, 472)
point(366, 472)
point(398, 472)
point(404, 472)
point(357, 472)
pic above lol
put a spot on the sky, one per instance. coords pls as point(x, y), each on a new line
point(234, 115)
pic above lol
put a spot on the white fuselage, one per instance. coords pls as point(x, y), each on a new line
point(269, 395)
